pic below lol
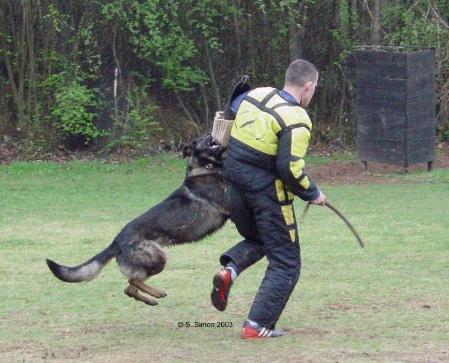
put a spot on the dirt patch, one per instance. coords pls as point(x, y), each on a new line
point(340, 172)
point(344, 172)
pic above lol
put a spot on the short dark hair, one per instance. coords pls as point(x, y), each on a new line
point(300, 72)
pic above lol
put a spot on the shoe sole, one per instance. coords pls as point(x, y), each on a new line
point(218, 303)
point(255, 338)
point(259, 337)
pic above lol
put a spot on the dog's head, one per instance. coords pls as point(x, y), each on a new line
point(203, 152)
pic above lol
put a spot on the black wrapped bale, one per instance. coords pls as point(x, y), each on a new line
point(395, 109)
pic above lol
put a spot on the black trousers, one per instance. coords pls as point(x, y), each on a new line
point(267, 222)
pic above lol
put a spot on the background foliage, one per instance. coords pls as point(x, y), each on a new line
point(114, 73)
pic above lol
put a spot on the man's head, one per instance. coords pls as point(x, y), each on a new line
point(301, 79)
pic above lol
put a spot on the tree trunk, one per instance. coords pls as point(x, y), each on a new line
point(32, 81)
point(18, 100)
point(238, 35)
point(215, 88)
point(375, 35)
point(206, 105)
point(354, 16)
point(18, 52)
point(252, 52)
point(354, 6)
point(117, 73)
point(21, 59)
point(296, 20)
point(294, 41)
point(186, 111)
point(341, 112)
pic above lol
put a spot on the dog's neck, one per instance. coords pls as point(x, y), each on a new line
point(200, 172)
point(203, 176)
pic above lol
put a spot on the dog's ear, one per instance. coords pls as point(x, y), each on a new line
point(187, 151)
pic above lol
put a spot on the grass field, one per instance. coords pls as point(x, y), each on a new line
point(386, 303)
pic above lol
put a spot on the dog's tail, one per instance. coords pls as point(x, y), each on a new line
point(86, 271)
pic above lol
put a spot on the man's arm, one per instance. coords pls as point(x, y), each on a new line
point(293, 144)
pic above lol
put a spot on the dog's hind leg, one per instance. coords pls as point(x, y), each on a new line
point(134, 292)
point(147, 289)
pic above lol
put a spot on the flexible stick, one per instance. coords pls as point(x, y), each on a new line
point(303, 216)
point(338, 213)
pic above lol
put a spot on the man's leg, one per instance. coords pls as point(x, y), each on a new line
point(277, 227)
point(242, 255)
point(251, 249)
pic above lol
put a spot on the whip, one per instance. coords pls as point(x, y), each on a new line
point(338, 213)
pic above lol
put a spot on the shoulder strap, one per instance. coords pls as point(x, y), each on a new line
point(261, 105)
point(269, 96)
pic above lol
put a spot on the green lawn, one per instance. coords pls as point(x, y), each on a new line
point(388, 302)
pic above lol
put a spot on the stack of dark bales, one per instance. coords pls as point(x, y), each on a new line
point(396, 121)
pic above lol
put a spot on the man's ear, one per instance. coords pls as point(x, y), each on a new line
point(187, 151)
point(308, 85)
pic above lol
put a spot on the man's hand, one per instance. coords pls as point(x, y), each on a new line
point(320, 200)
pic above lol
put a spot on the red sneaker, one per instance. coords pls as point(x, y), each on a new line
point(222, 283)
point(252, 330)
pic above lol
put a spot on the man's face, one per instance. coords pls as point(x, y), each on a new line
point(309, 90)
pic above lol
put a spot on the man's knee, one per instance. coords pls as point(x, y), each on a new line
point(243, 254)
point(285, 261)
point(287, 255)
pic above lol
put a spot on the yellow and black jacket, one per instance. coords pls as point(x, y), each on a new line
point(269, 140)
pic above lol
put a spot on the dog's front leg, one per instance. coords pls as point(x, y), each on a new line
point(134, 292)
point(147, 289)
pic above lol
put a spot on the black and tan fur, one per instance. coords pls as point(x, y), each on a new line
point(193, 211)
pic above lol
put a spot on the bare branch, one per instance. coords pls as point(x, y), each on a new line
point(365, 3)
point(436, 14)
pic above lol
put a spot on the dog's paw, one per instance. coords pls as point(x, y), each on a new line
point(150, 302)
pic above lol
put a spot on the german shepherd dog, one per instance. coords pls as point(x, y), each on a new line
point(193, 211)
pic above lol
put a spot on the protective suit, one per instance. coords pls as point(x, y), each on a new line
point(265, 169)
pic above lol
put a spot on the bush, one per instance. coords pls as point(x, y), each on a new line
point(72, 110)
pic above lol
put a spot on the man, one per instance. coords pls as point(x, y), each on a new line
point(265, 168)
